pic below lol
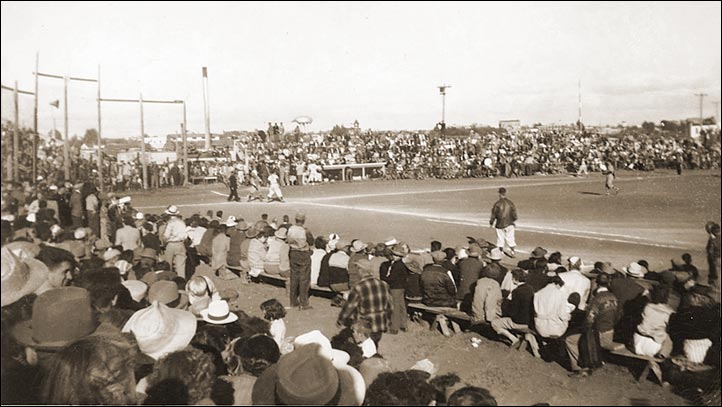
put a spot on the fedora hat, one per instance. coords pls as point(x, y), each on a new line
point(358, 246)
point(111, 254)
point(342, 244)
point(60, 316)
point(281, 233)
point(390, 241)
point(21, 273)
point(400, 249)
point(160, 330)
point(438, 256)
point(251, 232)
point(218, 313)
point(474, 250)
point(304, 376)
point(337, 357)
point(635, 270)
point(163, 291)
point(538, 253)
point(172, 210)
point(136, 288)
point(495, 254)
point(231, 221)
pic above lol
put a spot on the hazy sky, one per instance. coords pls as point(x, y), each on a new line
point(378, 63)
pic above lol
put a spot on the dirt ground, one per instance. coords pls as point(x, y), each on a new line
point(657, 216)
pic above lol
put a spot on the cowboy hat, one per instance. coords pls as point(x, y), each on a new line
point(160, 330)
point(400, 249)
point(243, 226)
point(218, 313)
point(21, 274)
point(172, 210)
point(60, 316)
point(635, 270)
point(474, 250)
point(495, 254)
point(231, 221)
point(538, 253)
point(414, 262)
point(281, 233)
point(251, 232)
point(163, 291)
point(358, 246)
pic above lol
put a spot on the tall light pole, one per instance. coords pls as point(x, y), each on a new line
point(442, 91)
point(701, 115)
point(207, 109)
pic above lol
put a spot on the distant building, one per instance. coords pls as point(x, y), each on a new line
point(510, 124)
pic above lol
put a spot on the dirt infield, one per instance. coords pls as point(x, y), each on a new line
point(656, 216)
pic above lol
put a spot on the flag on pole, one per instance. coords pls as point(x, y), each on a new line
point(205, 72)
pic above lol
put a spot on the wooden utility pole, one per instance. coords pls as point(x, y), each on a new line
point(35, 121)
point(100, 141)
point(66, 148)
point(142, 145)
point(16, 133)
point(186, 169)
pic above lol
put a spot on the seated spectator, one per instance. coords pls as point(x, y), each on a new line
point(412, 288)
point(160, 330)
point(471, 396)
point(277, 259)
point(395, 274)
point(304, 376)
point(601, 315)
point(552, 310)
point(518, 314)
point(651, 338)
point(94, 370)
point(469, 273)
point(576, 282)
point(337, 269)
point(274, 312)
point(251, 356)
point(486, 306)
point(494, 258)
point(256, 251)
point(437, 285)
point(319, 252)
point(167, 392)
point(406, 388)
point(191, 366)
point(695, 327)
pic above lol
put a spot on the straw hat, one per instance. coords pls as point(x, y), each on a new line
point(635, 270)
point(218, 313)
point(20, 276)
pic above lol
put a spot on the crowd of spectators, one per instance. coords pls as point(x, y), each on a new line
point(302, 158)
point(105, 304)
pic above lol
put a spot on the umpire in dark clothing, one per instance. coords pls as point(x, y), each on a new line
point(233, 185)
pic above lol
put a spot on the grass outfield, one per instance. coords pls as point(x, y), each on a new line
point(656, 216)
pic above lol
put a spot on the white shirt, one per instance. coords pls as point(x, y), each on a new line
point(575, 282)
point(273, 179)
point(175, 231)
point(278, 331)
point(368, 347)
point(195, 234)
point(552, 311)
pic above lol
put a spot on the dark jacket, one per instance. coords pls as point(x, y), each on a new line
point(394, 274)
point(521, 306)
point(437, 288)
point(469, 273)
point(602, 312)
point(503, 213)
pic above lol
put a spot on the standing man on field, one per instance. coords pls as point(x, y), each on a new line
point(503, 216)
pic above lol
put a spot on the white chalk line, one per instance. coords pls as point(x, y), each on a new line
point(474, 188)
point(553, 231)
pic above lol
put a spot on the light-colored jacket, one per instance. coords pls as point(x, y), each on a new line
point(486, 305)
point(552, 312)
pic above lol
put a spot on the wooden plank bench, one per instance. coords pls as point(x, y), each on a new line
point(652, 363)
point(443, 317)
point(275, 278)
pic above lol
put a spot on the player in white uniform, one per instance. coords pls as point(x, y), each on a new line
point(274, 189)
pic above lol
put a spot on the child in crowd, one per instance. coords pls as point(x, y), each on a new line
point(274, 312)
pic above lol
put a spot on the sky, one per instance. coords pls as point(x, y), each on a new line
point(378, 63)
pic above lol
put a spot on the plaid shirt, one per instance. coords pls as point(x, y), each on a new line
point(370, 299)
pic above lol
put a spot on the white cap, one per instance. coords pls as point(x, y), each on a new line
point(139, 216)
point(31, 217)
point(80, 233)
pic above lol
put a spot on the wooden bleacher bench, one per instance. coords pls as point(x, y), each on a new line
point(283, 281)
point(443, 316)
point(652, 363)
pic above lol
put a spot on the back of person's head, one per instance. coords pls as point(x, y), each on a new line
point(603, 280)
point(405, 388)
point(556, 280)
point(264, 216)
point(518, 275)
point(442, 384)
point(285, 219)
point(574, 299)
point(128, 221)
point(435, 246)
point(450, 253)
point(273, 309)
point(53, 256)
point(257, 353)
point(555, 258)
point(219, 214)
point(687, 258)
point(471, 396)
point(659, 294)
point(94, 370)
point(540, 266)
point(127, 255)
point(192, 366)
point(319, 243)
point(167, 392)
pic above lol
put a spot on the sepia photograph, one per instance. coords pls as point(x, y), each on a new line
point(361, 203)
